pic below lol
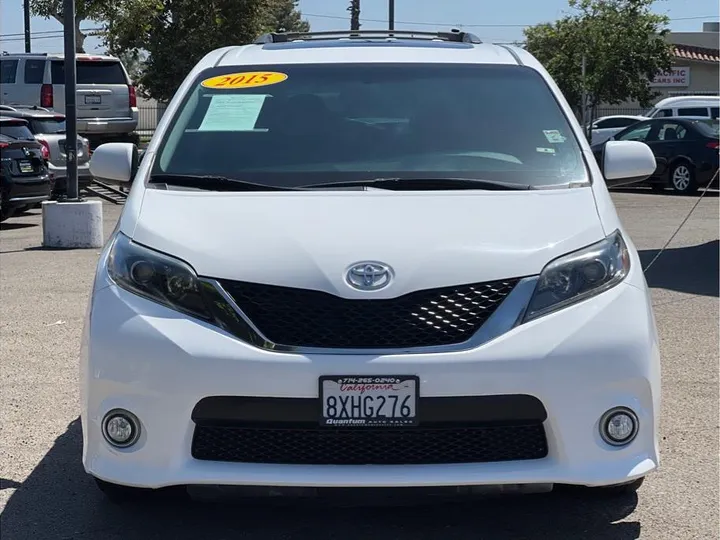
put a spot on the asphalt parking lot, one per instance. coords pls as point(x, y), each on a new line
point(44, 493)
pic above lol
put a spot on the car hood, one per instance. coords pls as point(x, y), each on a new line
point(310, 239)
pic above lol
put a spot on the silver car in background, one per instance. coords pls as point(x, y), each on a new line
point(48, 127)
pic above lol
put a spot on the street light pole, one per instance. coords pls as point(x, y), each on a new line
point(70, 100)
point(391, 14)
point(26, 17)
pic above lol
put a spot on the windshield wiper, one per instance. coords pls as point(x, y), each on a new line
point(427, 184)
point(212, 183)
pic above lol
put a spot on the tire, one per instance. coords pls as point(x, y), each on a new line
point(627, 488)
point(682, 178)
point(5, 212)
point(119, 494)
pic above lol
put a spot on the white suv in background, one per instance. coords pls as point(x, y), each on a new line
point(697, 106)
point(353, 261)
point(106, 99)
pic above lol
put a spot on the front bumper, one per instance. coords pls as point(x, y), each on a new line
point(579, 362)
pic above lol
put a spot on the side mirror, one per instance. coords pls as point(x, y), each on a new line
point(114, 162)
point(627, 162)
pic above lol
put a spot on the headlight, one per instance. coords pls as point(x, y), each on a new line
point(157, 277)
point(174, 284)
point(580, 275)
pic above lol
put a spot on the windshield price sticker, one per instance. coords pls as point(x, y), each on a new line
point(250, 79)
point(362, 401)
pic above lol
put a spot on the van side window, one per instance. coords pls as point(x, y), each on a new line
point(34, 71)
point(693, 111)
point(8, 69)
point(714, 112)
point(665, 113)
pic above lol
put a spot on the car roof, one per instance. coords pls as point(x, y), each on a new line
point(31, 113)
point(367, 47)
point(12, 119)
point(687, 99)
point(55, 56)
point(631, 116)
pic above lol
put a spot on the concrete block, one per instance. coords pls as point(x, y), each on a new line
point(72, 224)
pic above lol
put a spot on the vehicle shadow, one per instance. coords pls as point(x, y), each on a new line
point(58, 500)
point(14, 225)
point(689, 269)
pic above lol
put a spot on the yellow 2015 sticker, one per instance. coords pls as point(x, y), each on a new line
point(250, 79)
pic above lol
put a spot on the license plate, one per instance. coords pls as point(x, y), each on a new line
point(362, 401)
point(93, 100)
point(25, 167)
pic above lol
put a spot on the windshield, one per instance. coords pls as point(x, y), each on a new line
point(344, 122)
point(16, 131)
point(48, 125)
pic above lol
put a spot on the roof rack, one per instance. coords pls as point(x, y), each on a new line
point(15, 108)
point(284, 37)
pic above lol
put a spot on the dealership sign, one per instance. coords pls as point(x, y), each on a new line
point(677, 76)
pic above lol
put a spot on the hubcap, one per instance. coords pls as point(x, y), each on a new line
point(681, 177)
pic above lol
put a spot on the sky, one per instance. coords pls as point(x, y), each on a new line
point(491, 20)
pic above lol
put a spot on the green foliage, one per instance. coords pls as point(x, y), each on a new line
point(160, 41)
point(624, 45)
point(84, 10)
point(176, 34)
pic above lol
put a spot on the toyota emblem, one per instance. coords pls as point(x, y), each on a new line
point(369, 276)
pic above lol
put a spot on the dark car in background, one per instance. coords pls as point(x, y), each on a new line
point(686, 151)
point(24, 177)
point(48, 127)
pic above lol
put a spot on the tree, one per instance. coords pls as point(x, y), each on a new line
point(93, 10)
point(354, 9)
point(623, 43)
point(176, 34)
point(283, 15)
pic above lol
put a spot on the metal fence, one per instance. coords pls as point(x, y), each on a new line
point(609, 111)
point(149, 116)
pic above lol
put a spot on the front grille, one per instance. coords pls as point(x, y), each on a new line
point(307, 318)
point(409, 446)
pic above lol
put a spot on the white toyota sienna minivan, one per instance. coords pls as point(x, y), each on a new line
point(369, 260)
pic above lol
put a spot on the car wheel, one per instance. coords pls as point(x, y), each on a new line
point(119, 494)
point(682, 178)
point(620, 489)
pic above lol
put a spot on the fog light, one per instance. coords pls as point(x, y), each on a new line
point(121, 428)
point(619, 426)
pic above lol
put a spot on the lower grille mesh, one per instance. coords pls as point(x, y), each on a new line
point(317, 446)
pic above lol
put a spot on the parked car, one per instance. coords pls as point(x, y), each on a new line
point(49, 129)
point(106, 100)
point(701, 106)
point(605, 127)
point(24, 178)
point(685, 149)
point(318, 281)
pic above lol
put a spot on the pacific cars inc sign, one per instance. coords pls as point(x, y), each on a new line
point(677, 76)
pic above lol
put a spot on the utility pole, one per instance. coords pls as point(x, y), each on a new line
point(584, 99)
point(26, 16)
point(391, 15)
point(354, 10)
point(70, 100)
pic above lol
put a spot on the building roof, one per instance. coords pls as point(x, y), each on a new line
point(698, 54)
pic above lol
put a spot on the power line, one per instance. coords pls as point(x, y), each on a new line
point(47, 33)
point(59, 33)
point(484, 25)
